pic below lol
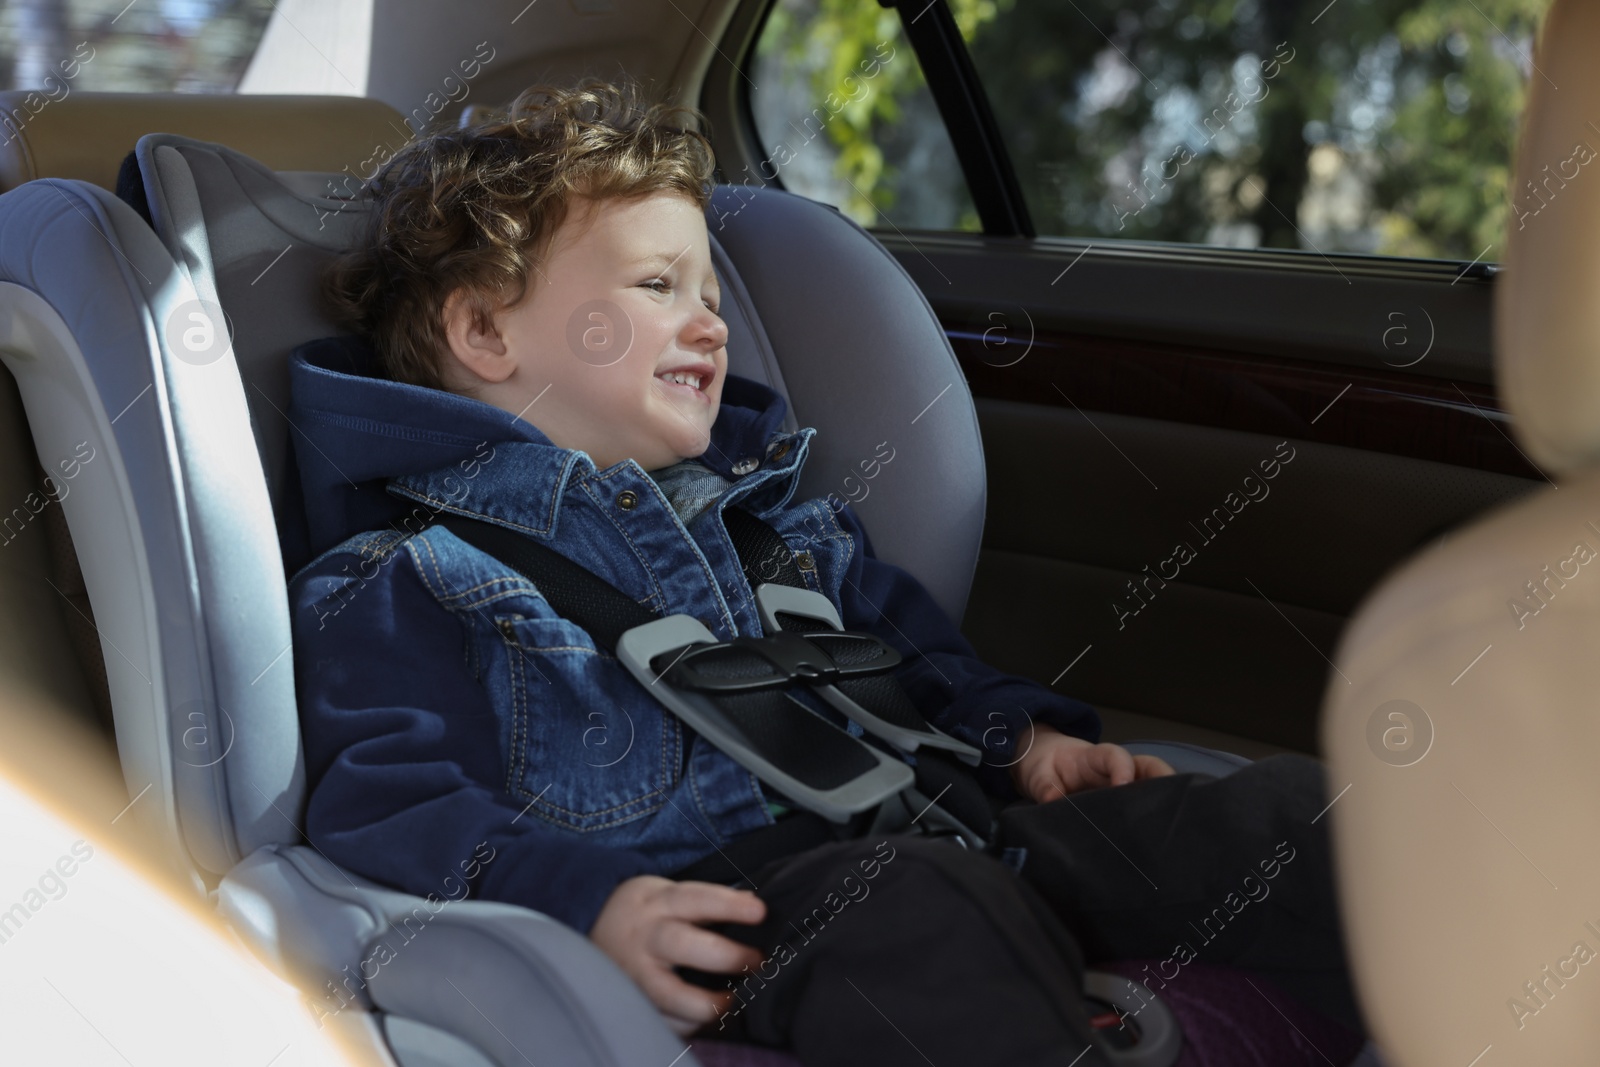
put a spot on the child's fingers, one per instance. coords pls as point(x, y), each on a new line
point(686, 945)
point(1152, 767)
point(708, 902)
point(691, 1004)
point(1049, 787)
point(1113, 762)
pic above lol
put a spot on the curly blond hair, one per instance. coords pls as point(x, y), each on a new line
point(474, 209)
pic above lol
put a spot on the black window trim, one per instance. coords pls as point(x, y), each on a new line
point(969, 120)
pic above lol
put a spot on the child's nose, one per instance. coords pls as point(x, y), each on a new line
point(710, 326)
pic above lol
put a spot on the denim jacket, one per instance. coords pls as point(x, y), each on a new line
point(447, 711)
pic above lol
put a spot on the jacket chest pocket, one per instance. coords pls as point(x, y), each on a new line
point(586, 748)
point(822, 550)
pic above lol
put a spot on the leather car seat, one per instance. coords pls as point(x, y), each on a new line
point(1467, 736)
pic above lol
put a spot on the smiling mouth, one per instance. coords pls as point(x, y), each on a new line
point(685, 390)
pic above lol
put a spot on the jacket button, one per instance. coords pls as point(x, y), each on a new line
point(805, 561)
point(746, 465)
point(627, 499)
point(781, 451)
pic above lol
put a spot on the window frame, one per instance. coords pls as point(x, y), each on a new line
point(1296, 308)
point(969, 120)
point(987, 167)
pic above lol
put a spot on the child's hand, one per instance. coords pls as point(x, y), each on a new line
point(649, 925)
point(1055, 765)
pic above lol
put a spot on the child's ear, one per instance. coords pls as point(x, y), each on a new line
point(481, 353)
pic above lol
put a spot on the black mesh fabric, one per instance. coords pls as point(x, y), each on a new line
point(728, 662)
point(800, 623)
point(130, 187)
point(847, 651)
point(882, 695)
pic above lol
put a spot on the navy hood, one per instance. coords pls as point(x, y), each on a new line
point(355, 429)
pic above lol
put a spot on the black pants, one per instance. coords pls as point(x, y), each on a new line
point(905, 948)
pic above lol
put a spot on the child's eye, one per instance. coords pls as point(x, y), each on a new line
point(665, 286)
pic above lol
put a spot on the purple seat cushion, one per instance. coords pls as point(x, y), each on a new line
point(1233, 1018)
point(727, 1054)
point(1229, 1019)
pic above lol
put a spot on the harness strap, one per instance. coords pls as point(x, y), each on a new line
point(573, 591)
point(606, 613)
point(766, 558)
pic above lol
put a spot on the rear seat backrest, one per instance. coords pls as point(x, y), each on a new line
point(86, 135)
point(53, 648)
point(53, 655)
point(49, 655)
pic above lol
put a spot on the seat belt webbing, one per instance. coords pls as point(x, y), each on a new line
point(572, 591)
point(605, 612)
point(766, 558)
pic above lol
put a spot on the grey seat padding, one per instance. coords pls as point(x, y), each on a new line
point(176, 541)
point(511, 982)
point(183, 526)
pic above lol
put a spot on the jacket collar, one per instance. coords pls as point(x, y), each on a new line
point(357, 432)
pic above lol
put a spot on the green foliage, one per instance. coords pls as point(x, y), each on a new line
point(829, 41)
point(1449, 157)
point(1365, 125)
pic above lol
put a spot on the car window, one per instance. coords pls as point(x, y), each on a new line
point(1372, 126)
point(844, 116)
point(186, 46)
point(1379, 126)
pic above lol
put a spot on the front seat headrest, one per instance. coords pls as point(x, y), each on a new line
point(1547, 315)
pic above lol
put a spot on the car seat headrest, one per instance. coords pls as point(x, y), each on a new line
point(253, 243)
point(843, 334)
point(84, 135)
point(1547, 320)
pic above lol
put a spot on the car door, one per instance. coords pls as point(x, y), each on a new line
point(1219, 281)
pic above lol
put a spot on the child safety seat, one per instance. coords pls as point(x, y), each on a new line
point(187, 530)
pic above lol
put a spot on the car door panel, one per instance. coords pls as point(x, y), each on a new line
point(1128, 389)
point(1086, 512)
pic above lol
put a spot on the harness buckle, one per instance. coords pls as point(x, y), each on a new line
point(799, 753)
point(746, 664)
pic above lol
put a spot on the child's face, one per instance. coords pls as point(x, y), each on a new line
point(626, 295)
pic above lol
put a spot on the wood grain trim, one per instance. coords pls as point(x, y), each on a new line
point(1380, 410)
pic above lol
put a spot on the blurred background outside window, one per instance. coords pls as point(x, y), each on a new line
point(1376, 126)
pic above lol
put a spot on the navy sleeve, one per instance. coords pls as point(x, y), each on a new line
point(402, 750)
point(942, 674)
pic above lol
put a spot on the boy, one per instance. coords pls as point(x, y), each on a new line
point(547, 355)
